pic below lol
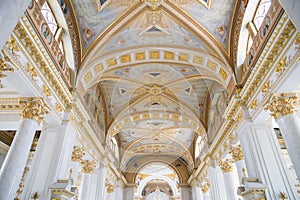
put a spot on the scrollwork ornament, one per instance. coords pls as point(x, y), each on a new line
point(34, 108)
point(281, 105)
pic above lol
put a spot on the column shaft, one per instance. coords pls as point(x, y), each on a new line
point(264, 159)
point(290, 130)
point(15, 161)
point(240, 167)
point(206, 196)
point(230, 185)
point(85, 187)
point(10, 14)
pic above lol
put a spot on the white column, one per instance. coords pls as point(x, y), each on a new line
point(282, 109)
point(52, 160)
point(217, 186)
point(196, 191)
point(10, 14)
point(238, 158)
point(102, 172)
point(85, 186)
point(231, 183)
point(118, 192)
point(292, 7)
point(87, 168)
point(205, 191)
point(264, 160)
point(15, 161)
point(128, 192)
point(185, 192)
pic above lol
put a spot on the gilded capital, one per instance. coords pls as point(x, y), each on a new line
point(77, 153)
point(281, 105)
point(109, 187)
point(204, 187)
point(226, 166)
point(34, 108)
point(88, 166)
point(236, 153)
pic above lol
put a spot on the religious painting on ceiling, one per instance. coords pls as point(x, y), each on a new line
point(95, 102)
point(218, 106)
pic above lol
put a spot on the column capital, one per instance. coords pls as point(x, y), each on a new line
point(281, 105)
point(205, 187)
point(236, 153)
point(88, 166)
point(226, 166)
point(109, 187)
point(34, 108)
point(77, 153)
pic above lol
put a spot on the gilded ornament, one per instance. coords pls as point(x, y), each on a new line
point(4, 68)
point(226, 166)
point(109, 187)
point(266, 87)
point(58, 107)
point(236, 153)
point(88, 166)
point(281, 105)
point(254, 104)
point(34, 108)
point(77, 153)
point(46, 91)
point(205, 187)
point(13, 45)
point(31, 70)
point(281, 65)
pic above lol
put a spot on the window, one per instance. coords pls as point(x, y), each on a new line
point(261, 12)
point(49, 17)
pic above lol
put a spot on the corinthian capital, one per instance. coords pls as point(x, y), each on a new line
point(226, 166)
point(236, 153)
point(281, 105)
point(205, 187)
point(34, 108)
point(88, 166)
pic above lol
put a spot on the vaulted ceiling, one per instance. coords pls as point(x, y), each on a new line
point(163, 66)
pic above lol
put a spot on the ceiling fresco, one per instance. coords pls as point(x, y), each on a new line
point(164, 73)
point(216, 19)
point(154, 28)
point(214, 16)
point(91, 22)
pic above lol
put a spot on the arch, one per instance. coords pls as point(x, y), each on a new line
point(150, 178)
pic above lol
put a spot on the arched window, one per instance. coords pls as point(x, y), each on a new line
point(199, 146)
point(261, 12)
point(49, 17)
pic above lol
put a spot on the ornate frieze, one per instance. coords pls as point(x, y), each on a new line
point(88, 166)
point(236, 153)
point(77, 153)
point(34, 108)
point(281, 105)
point(226, 166)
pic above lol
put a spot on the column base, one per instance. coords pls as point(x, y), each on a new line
point(253, 189)
point(60, 190)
